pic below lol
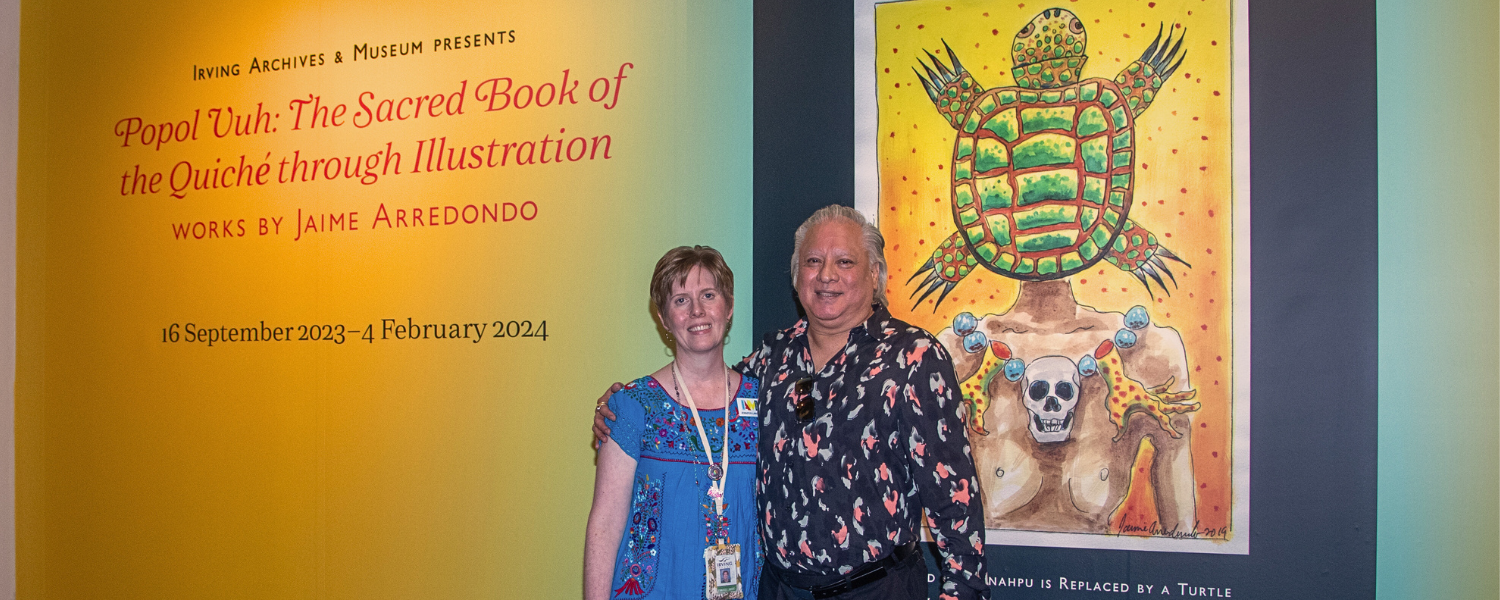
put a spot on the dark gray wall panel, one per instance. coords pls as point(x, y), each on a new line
point(1313, 149)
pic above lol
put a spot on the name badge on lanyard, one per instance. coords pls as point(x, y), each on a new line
point(722, 563)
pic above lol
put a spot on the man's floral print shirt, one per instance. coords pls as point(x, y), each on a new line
point(885, 441)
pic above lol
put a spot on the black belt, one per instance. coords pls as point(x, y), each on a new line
point(868, 573)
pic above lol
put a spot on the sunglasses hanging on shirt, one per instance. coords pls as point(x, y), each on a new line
point(804, 404)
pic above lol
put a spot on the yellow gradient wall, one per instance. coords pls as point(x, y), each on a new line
point(153, 464)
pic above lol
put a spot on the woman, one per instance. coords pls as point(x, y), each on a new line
point(674, 495)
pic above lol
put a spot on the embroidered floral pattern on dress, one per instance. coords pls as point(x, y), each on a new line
point(715, 527)
point(639, 561)
point(637, 564)
point(670, 431)
point(659, 433)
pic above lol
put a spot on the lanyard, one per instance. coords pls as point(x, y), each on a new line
point(716, 488)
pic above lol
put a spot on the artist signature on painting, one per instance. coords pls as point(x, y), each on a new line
point(1155, 529)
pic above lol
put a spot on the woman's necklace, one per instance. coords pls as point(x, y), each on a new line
point(715, 471)
point(722, 560)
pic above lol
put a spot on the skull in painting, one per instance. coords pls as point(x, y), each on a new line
point(1049, 389)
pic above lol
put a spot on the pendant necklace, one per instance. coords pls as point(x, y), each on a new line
point(715, 471)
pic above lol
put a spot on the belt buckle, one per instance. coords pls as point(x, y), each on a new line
point(867, 577)
point(854, 581)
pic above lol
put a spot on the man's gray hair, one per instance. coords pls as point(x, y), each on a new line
point(874, 242)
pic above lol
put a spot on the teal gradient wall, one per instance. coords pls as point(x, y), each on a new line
point(1439, 488)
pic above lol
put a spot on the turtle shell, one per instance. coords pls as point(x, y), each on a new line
point(1042, 179)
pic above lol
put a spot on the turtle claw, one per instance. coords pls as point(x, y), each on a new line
point(930, 265)
point(1160, 58)
point(957, 66)
point(940, 75)
point(926, 85)
point(930, 285)
point(1153, 267)
point(1156, 43)
point(950, 86)
point(936, 80)
point(1168, 74)
point(931, 282)
point(947, 73)
point(1163, 252)
point(1147, 270)
point(1144, 77)
point(947, 288)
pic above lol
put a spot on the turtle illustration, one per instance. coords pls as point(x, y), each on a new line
point(1043, 172)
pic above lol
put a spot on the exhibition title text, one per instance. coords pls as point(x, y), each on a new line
point(369, 109)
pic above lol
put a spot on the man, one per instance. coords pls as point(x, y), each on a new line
point(860, 432)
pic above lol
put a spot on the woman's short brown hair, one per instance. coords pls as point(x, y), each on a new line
point(674, 266)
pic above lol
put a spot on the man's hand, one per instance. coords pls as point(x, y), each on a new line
point(603, 414)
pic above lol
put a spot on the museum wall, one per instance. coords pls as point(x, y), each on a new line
point(148, 465)
point(1373, 203)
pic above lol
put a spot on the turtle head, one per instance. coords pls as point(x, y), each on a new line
point(1049, 51)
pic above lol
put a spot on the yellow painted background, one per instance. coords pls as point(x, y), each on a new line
point(1183, 188)
point(419, 469)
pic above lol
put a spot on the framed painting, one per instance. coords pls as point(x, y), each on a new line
point(1064, 192)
